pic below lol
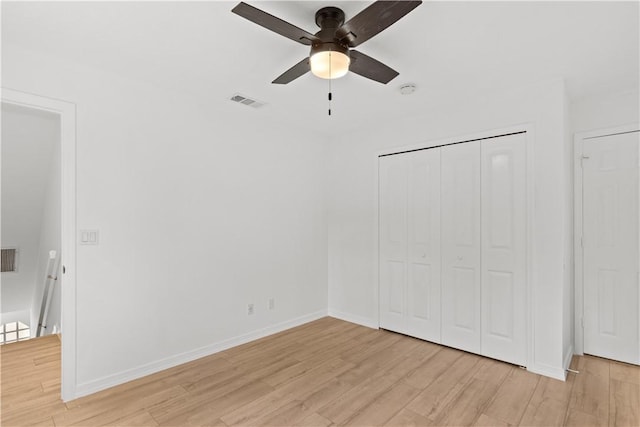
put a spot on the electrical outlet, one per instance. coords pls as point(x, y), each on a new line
point(272, 303)
point(249, 309)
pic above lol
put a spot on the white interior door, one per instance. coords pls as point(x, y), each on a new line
point(423, 285)
point(504, 279)
point(393, 197)
point(460, 198)
point(610, 230)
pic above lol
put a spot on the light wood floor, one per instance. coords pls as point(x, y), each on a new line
point(327, 372)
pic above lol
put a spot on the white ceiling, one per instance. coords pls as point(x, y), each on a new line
point(450, 50)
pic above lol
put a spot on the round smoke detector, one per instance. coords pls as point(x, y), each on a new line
point(407, 89)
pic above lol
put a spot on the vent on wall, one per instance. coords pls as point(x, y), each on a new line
point(9, 258)
point(247, 101)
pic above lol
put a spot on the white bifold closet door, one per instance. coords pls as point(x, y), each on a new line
point(453, 245)
point(423, 285)
point(484, 247)
point(460, 196)
point(393, 194)
point(504, 249)
point(409, 206)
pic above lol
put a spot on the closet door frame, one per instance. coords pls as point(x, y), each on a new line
point(529, 130)
point(578, 144)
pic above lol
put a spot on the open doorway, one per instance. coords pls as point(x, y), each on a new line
point(55, 250)
point(31, 223)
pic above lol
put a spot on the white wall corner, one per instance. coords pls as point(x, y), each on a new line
point(568, 357)
point(557, 373)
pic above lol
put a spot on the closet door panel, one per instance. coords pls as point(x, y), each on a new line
point(460, 218)
point(393, 198)
point(423, 286)
point(503, 197)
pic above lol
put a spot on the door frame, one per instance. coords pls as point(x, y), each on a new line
point(67, 113)
point(578, 144)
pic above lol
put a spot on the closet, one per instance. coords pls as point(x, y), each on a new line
point(452, 245)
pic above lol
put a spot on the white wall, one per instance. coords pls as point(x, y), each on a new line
point(201, 209)
point(353, 213)
point(29, 140)
point(614, 109)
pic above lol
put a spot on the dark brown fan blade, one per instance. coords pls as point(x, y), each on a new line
point(274, 24)
point(294, 72)
point(374, 19)
point(370, 68)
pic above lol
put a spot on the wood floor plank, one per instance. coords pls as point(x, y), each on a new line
point(109, 406)
point(590, 392)
point(410, 363)
point(383, 340)
point(32, 415)
point(426, 373)
point(252, 411)
point(513, 396)
point(476, 394)
point(377, 363)
point(625, 403)
point(445, 388)
point(324, 373)
point(226, 397)
point(302, 407)
point(300, 369)
point(577, 418)
point(315, 420)
point(202, 417)
point(487, 421)
point(385, 406)
point(298, 388)
point(406, 417)
point(548, 405)
point(346, 339)
point(624, 372)
point(139, 418)
point(341, 410)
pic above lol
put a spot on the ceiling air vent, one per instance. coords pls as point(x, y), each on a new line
point(247, 101)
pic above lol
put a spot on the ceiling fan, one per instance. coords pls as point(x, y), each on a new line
point(332, 54)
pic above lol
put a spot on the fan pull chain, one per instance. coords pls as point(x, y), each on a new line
point(330, 76)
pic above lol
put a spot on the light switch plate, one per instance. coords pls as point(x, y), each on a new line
point(89, 237)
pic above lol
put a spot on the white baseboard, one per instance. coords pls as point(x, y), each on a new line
point(179, 359)
point(353, 318)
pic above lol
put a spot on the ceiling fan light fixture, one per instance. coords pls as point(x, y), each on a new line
point(329, 62)
point(332, 54)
